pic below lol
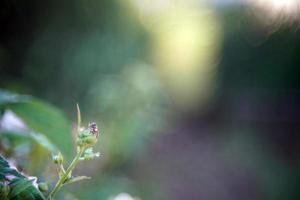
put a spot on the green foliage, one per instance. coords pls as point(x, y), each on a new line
point(4, 190)
point(40, 117)
point(47, 120)
point(76, 179)
point(22, 189)
point(15, 186)
point(23, 137)
point(6, 170)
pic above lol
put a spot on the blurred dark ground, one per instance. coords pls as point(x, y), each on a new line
point(200, 104)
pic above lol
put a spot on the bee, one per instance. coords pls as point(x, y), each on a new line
point(94, 129)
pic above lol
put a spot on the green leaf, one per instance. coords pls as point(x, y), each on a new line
point(10, 97)
point(4, 191)
point(3, 163)
point(19, 137)
point(48, 120)
point(43, 141)
point(6, 170)
point(76, 179)
point(22, 188)
point(41, 117)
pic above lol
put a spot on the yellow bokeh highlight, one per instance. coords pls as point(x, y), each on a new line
point(185, 38)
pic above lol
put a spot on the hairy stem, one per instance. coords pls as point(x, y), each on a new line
point(63, 178)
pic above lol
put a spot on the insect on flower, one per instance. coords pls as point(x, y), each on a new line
point(94, 129)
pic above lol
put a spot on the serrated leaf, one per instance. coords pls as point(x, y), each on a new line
point(18, 185)
point(22, 188)
point(3, 162)
point(6, 170)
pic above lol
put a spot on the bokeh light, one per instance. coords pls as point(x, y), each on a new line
point(185, 38)
point(287, 10)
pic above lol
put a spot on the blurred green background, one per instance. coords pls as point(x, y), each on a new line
point(194, 99)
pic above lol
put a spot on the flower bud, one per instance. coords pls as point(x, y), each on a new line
point(89, 154)
point(58, 159)
point(43, 187)
point(87, 137)
point(90, 140)
point(88, 157)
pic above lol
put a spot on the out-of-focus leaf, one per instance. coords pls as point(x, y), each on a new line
point(43, 141)
point(9, 97)
point(40, 117)
point(39, 138)
point(40, 148)
point(48, 120)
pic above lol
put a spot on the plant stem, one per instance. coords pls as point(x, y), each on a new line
point(63, 178)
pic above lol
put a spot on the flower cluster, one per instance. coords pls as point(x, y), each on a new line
point(85, 140)
point(88, 136)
